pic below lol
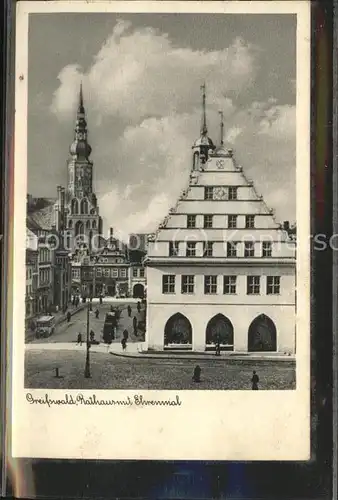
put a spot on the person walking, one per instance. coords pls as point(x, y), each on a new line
point(92, 335)
point(135, 325)
point(139, 307)
point(79, 339)
point(68, 316)
point(97, 312)
point(100, 299)
point(124, 343)
point(254, 381)
point(129, 311)
point(197, 374)
point(125, 334)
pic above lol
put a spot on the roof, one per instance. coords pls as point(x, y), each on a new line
point(42, 219)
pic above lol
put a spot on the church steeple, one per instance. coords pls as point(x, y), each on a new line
point(221, 129)
point(203, 144)
point(204, 129)
point(80, 148)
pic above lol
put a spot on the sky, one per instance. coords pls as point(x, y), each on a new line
point(141, 76)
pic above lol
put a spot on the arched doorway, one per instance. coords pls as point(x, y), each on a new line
point(178, 331)
point(262, 335)
point(138, 291)
point(111, 290)
point(220, 329)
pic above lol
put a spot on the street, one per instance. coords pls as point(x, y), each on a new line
point(113, 372)
point(68, 332)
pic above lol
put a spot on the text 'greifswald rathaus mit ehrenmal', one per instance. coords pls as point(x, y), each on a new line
point(219, 267)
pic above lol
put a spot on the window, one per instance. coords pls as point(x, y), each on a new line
point(249, 221)
point(266, 249)
point(191, 249)
point(168, 283)
point(123, 272)
point(232, 249)
point(135, 273)
point(232, 221)
point(207, 249)
point(99, 272)
point(191, 221)
point(229, 285)
point(273, 285)
point(188, 283)
point(142, 272)
point(107, 272)
point(232, 193)
point(114, 273)
point(249, 249)
point(210, 284)
point(208, 193)
point(173, 248)
point(253, 285)
point(207, 221)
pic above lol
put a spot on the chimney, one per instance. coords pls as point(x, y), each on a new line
point(111, 232)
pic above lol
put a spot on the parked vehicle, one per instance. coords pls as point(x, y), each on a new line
point(45, 326)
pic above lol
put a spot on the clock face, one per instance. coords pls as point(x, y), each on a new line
point(220, 193)
point(220, 163)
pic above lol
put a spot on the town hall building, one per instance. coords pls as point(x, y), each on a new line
point(220, 269)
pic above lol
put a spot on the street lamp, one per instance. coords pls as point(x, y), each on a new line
point(87, 366)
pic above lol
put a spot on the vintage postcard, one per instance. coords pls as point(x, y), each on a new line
point(161, 242)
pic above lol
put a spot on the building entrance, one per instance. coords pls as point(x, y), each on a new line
point(220, 329)
point(178, 331)
point(262, 335)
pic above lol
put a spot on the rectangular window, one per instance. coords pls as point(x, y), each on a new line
point(229, 285)
point(135, 273)
point(123, 272)
point(253, 285)
point(207, 249)
point(249, 221)
point(191, 221)
point(188, 283)
point(273, 285)
point(266, 249)
point(168, 283)
point(232, 193)
point(210, 285)
point(107, 272)
point(115, 273)
point(232, 249)
point(208, 193)
point(191, 249)
point(208, 221)
point(232, 221)
point(173, 248)
point(142, 272)
point(249, 249)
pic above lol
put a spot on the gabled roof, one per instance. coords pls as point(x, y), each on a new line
point(42, 219)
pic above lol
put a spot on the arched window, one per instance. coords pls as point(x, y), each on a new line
point(79, 228)
point(88, 224)
point(178, 330)
point(75, 206)
point(70, 224)
point(84, 206)
point(94, 226)
point(262, 334)
point(195, 161)
point(220, 329)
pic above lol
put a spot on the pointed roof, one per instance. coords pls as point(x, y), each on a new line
point(204, 140)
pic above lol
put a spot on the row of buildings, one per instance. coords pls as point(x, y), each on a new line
point(66, 251)
point(219, 269)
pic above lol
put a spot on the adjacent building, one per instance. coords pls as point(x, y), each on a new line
point(219, 267)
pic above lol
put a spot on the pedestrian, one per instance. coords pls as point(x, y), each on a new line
point(100, 299)
point(56, 309)
point(197, 374)
point(125, 334)
point(218, 348)
point(97, 312)
point(79, 339)
point(92, 336)
point(139, 307)
point(135, 323)
point(254, 381)
point(124, 343)
point(68, 316)
point(129, 311)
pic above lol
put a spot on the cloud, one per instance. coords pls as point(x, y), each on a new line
point(142, 93)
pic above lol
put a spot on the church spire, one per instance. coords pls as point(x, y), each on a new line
point(80, 147)
point(221, 128)
point(204, 129)
point(81, 109)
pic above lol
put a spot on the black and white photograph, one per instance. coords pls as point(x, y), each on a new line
point(162, 202)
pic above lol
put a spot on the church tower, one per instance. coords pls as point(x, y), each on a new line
point(82, 210)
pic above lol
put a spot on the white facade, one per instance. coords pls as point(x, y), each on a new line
point(220, 256)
